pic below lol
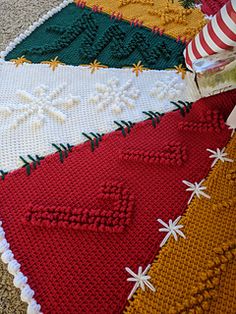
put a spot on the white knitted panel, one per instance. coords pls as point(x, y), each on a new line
point(39, 106)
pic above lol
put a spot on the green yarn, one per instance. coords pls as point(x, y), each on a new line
point(187, 4)
point(79, 36)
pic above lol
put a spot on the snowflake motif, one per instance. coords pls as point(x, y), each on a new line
point(114, 95)
point(140, 279)
point(171, 229)
point(218, 155)
point(38, 105)
point(167, 89)
point(196, 189)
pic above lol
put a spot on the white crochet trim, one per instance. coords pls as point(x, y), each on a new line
point(39, 106)
point(36, 24)
point(20, 281)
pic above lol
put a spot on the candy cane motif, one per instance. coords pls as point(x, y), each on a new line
point(219, 34)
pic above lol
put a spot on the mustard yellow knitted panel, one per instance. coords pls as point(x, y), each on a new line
point(226, 300)
point(197, 274)
point(167, 15)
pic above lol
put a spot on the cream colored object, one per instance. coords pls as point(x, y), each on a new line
point(39, 106)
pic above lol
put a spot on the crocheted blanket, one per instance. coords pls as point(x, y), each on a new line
point(114, 173)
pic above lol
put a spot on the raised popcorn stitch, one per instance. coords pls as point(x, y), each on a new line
point(212, 121)
point(38, 105)
point(171, 89)
point(106, 218)
point(114, 95)
point(171, 154)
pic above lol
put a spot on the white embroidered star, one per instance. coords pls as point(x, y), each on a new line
point(38, 105)
point(233, 128)
point(208, 17)
point(196, 188)
point(114, 95)
point(140, 279)
point(171, 229)
point(218, 155)
point(171, 89)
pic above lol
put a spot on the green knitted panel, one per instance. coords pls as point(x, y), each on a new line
point(79, 36)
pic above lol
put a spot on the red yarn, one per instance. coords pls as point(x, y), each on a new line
point(75, 226)
point(211, 7)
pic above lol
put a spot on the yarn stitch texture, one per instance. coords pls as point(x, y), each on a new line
point(160, 15)
point(58, 106)
point(211, 7)
point(79, 36)
point(200, 271)
point(76, 269)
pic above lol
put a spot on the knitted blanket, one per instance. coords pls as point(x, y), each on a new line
point(113, 170)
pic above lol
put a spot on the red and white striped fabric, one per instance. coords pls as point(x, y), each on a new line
point(219, 34)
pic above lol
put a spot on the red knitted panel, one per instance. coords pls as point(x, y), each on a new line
point(75, 225)
point(211, 7)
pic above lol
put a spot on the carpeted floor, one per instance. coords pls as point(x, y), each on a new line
point(17, 15)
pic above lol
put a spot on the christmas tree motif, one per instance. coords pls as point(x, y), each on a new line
point(67, 34)
point(86, 26)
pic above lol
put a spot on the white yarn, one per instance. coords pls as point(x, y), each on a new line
point(27, 294)
point(4, 246)
point(172, 89)
point(19, 281)
point(13, 267)
point(36, 24)
point(2, 234)
point(39, 106)
point(33, 307)
point(118, 97)
point(7, 256)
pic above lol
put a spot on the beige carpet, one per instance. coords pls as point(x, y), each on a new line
point(17, 15)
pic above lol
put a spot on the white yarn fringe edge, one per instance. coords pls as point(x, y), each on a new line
point(36, 24)
point(19, 281)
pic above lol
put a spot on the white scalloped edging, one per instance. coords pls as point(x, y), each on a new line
point(36, 24)
point(19, 281)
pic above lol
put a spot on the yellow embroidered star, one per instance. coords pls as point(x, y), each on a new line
point(138, 68)
point(20, 60)
point(181, 70)
point(53, 63)
point(96, 65)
